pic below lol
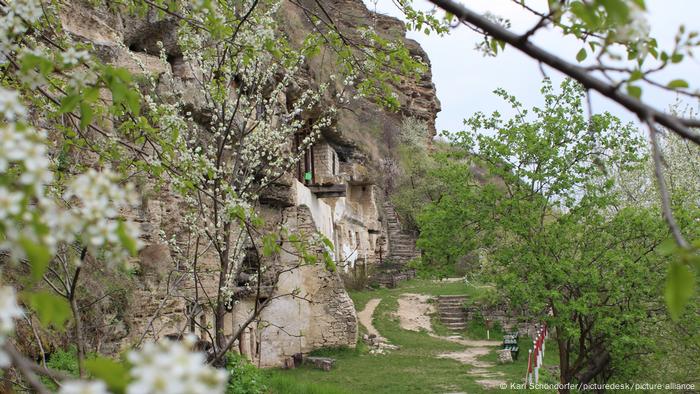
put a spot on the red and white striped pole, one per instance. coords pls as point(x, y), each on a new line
point(528, 378)
point(540, 352)
point(544, 337)
point(536, 361)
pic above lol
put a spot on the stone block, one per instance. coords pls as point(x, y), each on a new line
point(504, 356)
point(322, 363)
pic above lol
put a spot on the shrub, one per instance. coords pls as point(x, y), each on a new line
point(64, 360)
point(244, 377)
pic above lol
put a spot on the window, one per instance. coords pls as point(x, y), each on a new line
point(334, 170)
point(305, 166)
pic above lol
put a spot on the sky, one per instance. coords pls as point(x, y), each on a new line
point(465, 79)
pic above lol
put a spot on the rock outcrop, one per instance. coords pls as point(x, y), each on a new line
point(341, 198)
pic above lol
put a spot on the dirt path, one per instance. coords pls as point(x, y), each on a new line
point(365, 316)
point(414, 311)
point(414, 314)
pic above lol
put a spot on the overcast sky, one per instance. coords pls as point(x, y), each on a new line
point(465, 79)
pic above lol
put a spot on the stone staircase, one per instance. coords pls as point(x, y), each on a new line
point(451, 311)
point(402, 246)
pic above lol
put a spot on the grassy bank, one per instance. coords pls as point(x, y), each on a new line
point(412, 369)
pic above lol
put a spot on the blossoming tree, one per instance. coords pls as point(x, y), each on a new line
point(75, 130)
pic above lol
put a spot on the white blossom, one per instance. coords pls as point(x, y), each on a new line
point(9, 311)
point(71, 56)
point(10, 203)
point(83, 387)
point(169, 367)
point(637, 29)
point(30, 10)
point(10, 106)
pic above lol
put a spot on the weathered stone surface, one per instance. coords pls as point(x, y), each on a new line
point(504, 356)
point(320, 313)
point(322, 363)
point(155, 259)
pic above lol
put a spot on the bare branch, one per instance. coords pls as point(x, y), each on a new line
point(676, 124)
point(665, 198)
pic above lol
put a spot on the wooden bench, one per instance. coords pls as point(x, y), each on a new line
point(510, 342)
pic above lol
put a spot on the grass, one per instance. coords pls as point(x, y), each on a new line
point(413, 368)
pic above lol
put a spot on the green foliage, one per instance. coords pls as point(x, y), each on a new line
point(38, 255)
point(64, 360)
point(414, 368)
point(244, 377)
point(281, 383)
point(536, 195)
point(51, 309)
point(477, 329)
point(680, 286)
point(114, 373)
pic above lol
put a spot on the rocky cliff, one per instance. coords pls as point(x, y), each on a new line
point(340, 199)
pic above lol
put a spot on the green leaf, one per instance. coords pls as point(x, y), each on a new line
point(586, 13)
point(618, 11)
point(69, 103)
point(581, 55)
point(635, 75)
point(91, 95)
point(133, 101)
point(270, 245)
point(113, 373)
point(676, 58)
point(51, 309)
point(86, 114)
point(128, 242)
point(329, 262)
point(680, 285)
point(677, 83)
point(328, 243)
point(667, 247)
point(119, 91)
point(121, 73)
point(38, 255)
point(634, 91)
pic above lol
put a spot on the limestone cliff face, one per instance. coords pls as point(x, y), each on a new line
point(365, 132)
point(342, 199)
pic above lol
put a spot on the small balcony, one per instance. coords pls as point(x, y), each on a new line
point(331, 190)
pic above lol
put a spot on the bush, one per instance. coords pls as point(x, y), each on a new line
point(244, 377)
point(64, 360)
point(476, 328)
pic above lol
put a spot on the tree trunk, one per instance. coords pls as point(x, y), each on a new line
point(596, 365)
point(563, 347)
point(220, 310)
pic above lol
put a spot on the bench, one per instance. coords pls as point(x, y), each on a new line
point(510, 342)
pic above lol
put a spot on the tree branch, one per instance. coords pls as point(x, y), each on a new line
point(676, 124)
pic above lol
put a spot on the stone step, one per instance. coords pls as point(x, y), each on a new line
point(452, 297)
point(459, 319)
point(451, 312)
point(451, 305)
point(459, 314)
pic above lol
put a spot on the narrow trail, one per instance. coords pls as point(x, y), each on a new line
point(414, 314)
point(365, 316)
